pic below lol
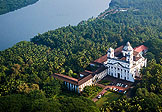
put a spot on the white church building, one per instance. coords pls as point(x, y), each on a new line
point(123, 62)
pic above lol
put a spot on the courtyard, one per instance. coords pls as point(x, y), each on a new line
point(113, 89)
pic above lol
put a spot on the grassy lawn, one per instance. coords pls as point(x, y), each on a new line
point(104, 82)
point(108, 97)
point(95, 93)
point(91, 91)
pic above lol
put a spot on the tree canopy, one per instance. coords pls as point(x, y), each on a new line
point(11, 5)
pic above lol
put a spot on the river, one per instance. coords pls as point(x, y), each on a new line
point(45, 15)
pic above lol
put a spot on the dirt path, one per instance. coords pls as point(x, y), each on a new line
point(102, 92)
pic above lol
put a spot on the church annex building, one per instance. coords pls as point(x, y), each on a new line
point(123, 62)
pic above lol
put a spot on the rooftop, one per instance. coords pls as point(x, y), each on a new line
point(86, 72)
point(66, 78)
point(118, 50)
point(101, 59)
point(87, 76)
point(140, 48)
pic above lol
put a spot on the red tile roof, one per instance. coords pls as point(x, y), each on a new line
point(66, 78)
point(99, 70)
point(140, 48)
point(80, 81)
point(101, 59)
point(118, 50)
point(85, 79)
point(71, 79)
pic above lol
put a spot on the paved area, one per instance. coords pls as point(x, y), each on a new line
point(102, 92)
point(116, 80)
point(113, 85)
point(105, 90)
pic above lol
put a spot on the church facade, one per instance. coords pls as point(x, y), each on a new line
point(123, 62)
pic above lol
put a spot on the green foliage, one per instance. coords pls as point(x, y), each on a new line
point(46, 105)
point(150, 56)
point(122, 105)
point(37, 94)
point(79, 104)
point(25, 88)
point(151, 101)
point(155, 46)
point(52, 88)
point(15, 103)
point(76, 43)
point(26, 64)
point(104, 82)
point(11, 5)
point(23, 103)
point(84, 43)
point(108, 97)
point(90, 91)
point(152, 78)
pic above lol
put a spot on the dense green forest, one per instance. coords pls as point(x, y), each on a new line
point(11, 5)
point(25, 68)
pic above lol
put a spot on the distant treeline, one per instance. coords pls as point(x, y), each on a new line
point(11, 5)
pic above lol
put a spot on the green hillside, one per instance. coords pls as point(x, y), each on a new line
point(11, 5)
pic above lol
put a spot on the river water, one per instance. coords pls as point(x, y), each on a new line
point(45, 15)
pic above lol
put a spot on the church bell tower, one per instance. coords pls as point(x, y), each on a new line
point(110, 53)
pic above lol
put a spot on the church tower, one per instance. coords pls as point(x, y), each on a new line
point(110, 53)
point(128, 53)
